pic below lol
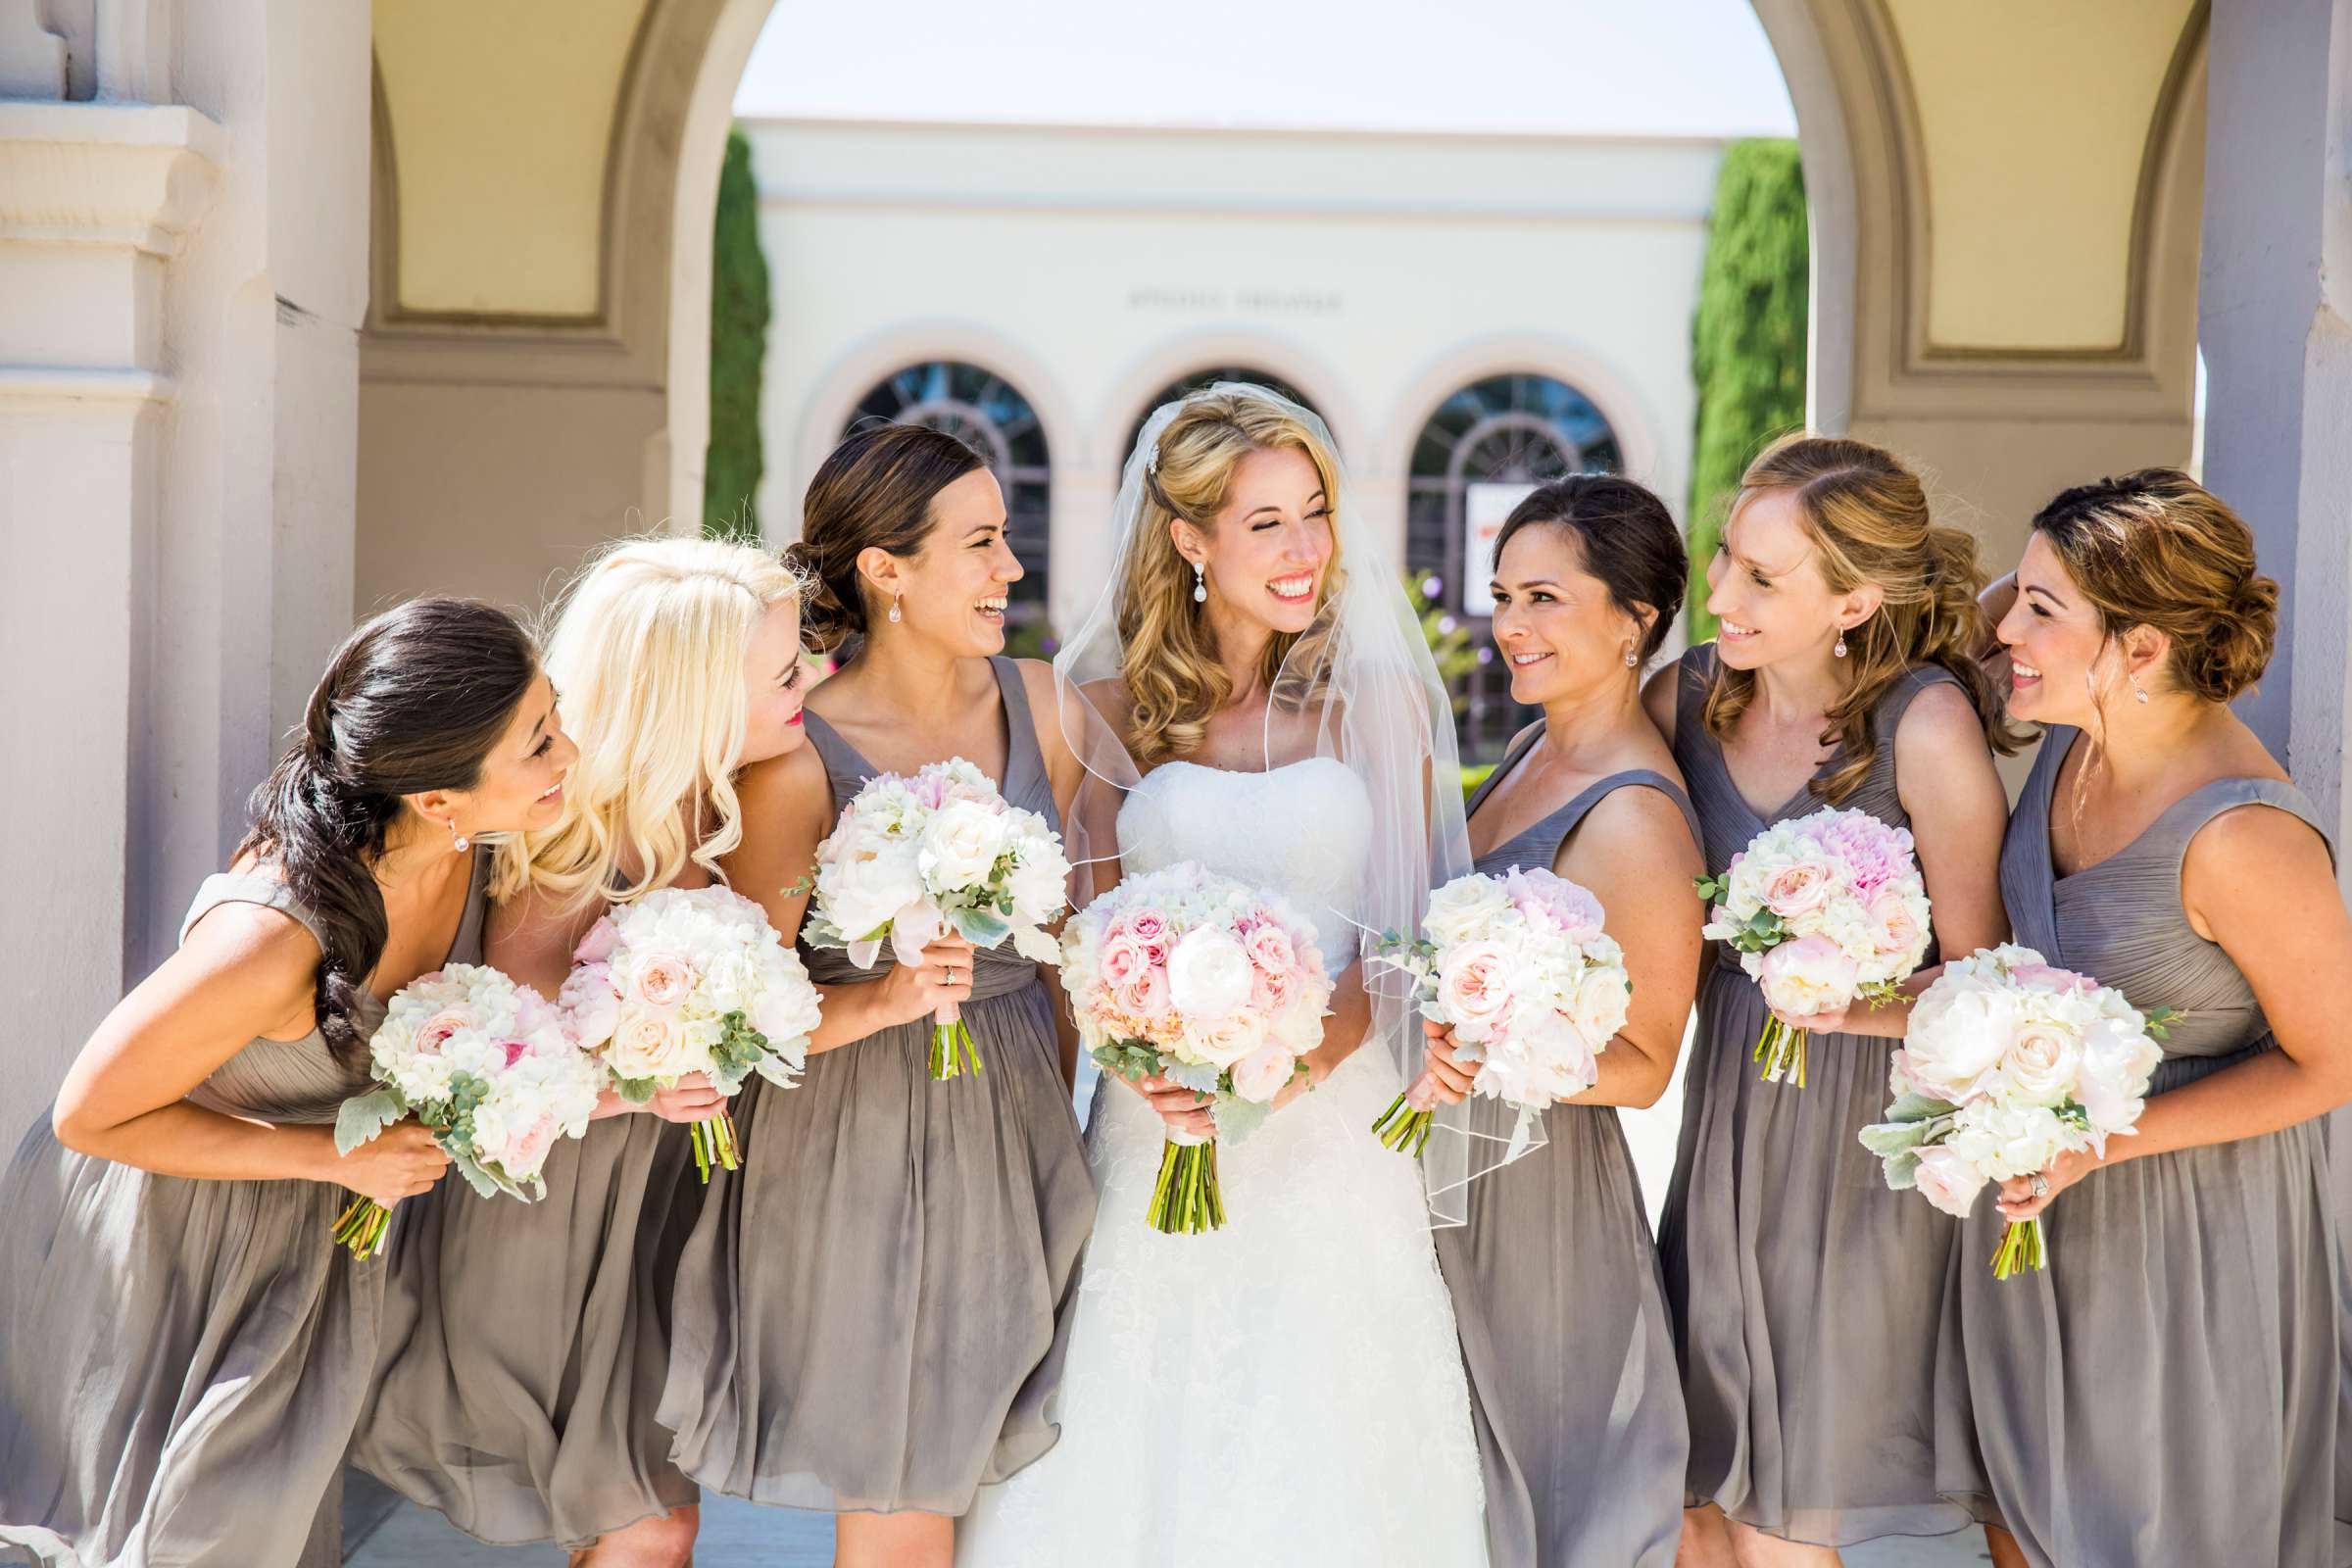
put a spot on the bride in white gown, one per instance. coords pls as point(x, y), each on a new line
point(1282, 1390)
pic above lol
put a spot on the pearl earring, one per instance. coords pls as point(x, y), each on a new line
point(457, 839)
point(894, 617)
point(2139, 693)
point(1200, 583)
point(1632, 660)
point(1839, 649)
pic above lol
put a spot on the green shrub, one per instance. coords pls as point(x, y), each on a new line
point(739, 310)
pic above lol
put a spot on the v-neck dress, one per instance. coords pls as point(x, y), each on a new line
point(1561, 1308)
point(2166, 1391)
point(872, 1311)
point(1806, 1296)
point(182, 1362)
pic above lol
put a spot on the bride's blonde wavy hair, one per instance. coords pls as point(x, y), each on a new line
point(1868, 518)
point(647, 657)
point(1173, 678)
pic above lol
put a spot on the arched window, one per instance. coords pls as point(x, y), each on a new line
point(989, 414)
point(1210, 378)
point(1479, 452)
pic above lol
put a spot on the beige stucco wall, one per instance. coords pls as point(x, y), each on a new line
point(2032, 122)
point(502, 117)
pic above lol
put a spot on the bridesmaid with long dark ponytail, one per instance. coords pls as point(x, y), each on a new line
point(188, 1349)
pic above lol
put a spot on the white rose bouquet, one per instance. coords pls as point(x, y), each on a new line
point(2008, 1064)
point(1215, 986)
point(489, 1067)
point(914, 858)
point(688, 980)
point(1519, 968)
point(1823, 911)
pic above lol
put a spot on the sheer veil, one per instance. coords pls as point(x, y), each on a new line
point(1359, 686)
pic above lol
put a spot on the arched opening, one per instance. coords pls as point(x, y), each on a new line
point(1479, 453)
point(991, 415)
point(1184, 385)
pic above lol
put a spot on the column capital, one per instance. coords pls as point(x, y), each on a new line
point(134, 175)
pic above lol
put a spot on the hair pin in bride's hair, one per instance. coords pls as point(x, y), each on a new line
point(1151, 460)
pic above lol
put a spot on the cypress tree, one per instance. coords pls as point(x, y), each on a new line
point(738, 342)
point(1747, 338)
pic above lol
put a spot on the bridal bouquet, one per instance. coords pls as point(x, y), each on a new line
point(2009, 1064)
point(488, 1066)
point(1204, 982)
point(687, 980)
point(1519, 968)
point(913, 859)
point(1823, 911)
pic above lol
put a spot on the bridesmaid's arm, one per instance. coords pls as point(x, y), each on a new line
point(1631, 845)
point(1944, 774)
point(2257, 882)
point(786, 806)
point(245, 971)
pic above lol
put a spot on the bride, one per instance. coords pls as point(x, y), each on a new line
point(1281, 1391)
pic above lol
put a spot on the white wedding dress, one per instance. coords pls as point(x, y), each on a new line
point(1286, 1391)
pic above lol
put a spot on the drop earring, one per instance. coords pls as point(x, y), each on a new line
point(894, 616)
point(1632, 660)
point(1839, 649)
point(458, 840)
point(1200, 583)
point(2138, 692)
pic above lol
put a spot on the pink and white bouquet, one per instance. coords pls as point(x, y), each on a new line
point(489, 1067)
point(914, 858)
point(2008, 1064)
point(688, 980)
point(1212, 985)
point(1823, 911)
point(1519, 968)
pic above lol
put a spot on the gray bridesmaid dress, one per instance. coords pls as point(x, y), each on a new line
point(872, 1313)
point(1806, 1297)
point(525, 1344)
point(2166, 1391)
point(184, 1360)
point(1562, 1312)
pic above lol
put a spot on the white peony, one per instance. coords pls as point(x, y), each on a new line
point(1209, 973)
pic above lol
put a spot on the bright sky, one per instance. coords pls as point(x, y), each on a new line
point(1560, 66)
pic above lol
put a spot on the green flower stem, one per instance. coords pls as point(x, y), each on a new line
point(2021, 1249)
point(714, 1145)
point(1403, 1129)
point(954, 1050)
point(1186, 1200)
point(362, 1227)
point(1780, 1051)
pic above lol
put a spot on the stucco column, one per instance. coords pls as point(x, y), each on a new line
point(95, 200)
point(182, 275)
point(2276, 305)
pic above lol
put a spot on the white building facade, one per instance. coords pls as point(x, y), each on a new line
point(1469, 313)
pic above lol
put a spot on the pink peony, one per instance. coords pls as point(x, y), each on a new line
point(434, 1032)
point(1946, 1180)
point(1269, 949)
point(597, 946)
point(1894, 928)
point(1259, 1076)
point(1807, 976)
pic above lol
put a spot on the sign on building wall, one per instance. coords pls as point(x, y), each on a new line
point(1486, 508)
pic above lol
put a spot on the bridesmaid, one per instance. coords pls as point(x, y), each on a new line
point(2166, 1391)
point(679, 665)
point(1805, 1295)
point(187, 1348)
point(871, 1314)
point(1580, 1418)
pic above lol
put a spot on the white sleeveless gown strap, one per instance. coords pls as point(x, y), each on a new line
point(1288, 1389)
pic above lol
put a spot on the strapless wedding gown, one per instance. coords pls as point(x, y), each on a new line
point(1287, 1391)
